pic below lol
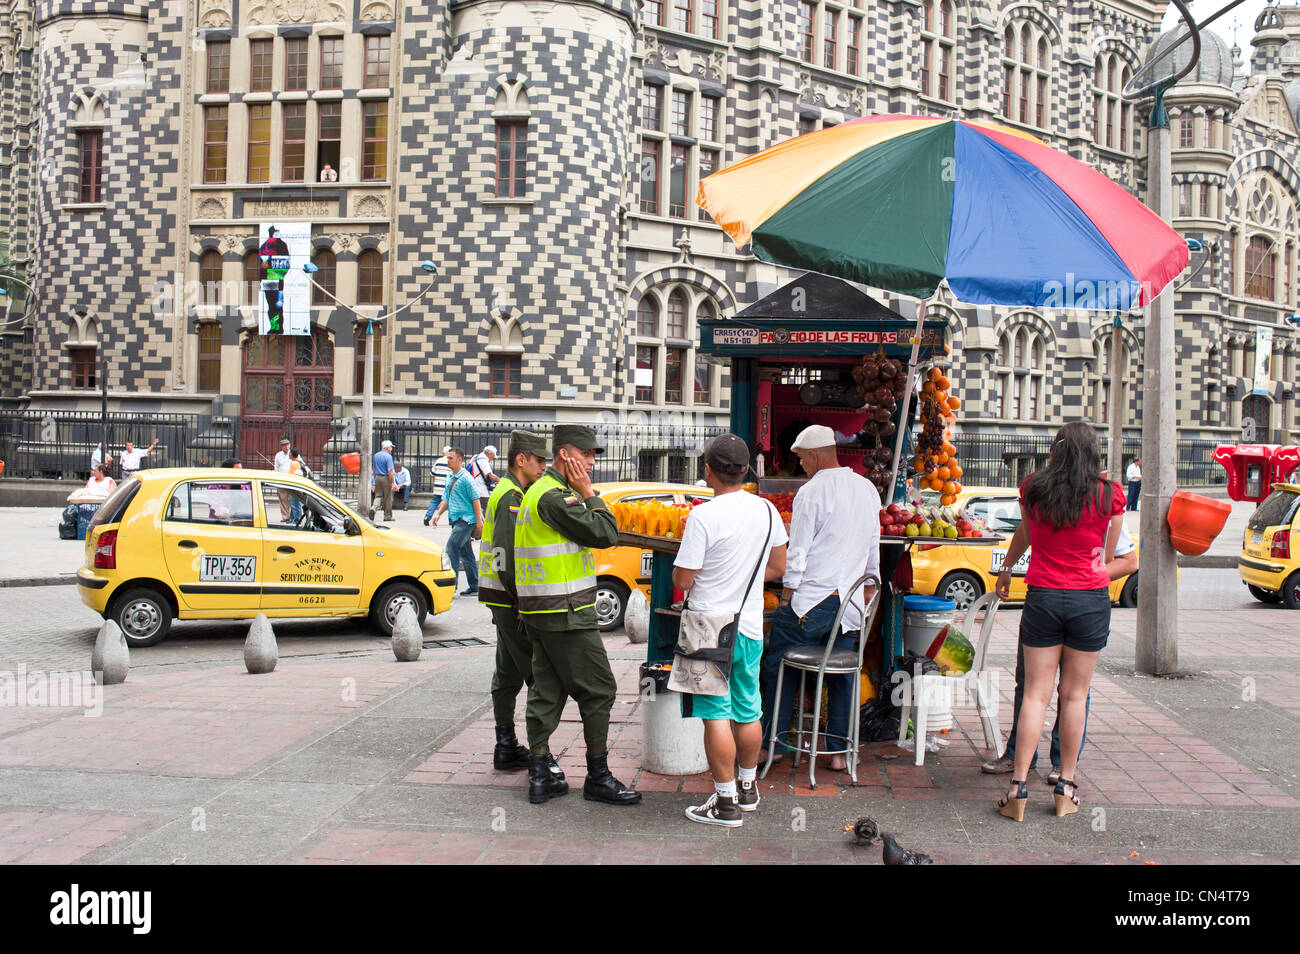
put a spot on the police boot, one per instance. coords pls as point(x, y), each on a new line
point(601, 786)
point(542, 782)
point(508, 754)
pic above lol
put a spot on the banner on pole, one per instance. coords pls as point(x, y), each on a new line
point(1263, 359)
point(284, 305)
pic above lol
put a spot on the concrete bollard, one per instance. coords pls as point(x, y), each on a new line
point(636, 618)
point(110, 659)
point(260, 651)
point(408, 639)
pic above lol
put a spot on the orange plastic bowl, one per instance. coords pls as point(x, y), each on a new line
point(351, 462)
point(1194, 521)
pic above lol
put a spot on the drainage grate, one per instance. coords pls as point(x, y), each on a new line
point(455, 643)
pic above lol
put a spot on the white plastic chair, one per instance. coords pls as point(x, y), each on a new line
point(933, 694)
point(827, 661)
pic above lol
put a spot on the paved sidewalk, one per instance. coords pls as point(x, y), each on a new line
point(365, 760)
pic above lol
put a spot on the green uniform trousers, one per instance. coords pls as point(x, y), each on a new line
point(514, 663)
point(569, 663)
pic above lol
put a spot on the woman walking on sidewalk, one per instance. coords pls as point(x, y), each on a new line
point(1071, 517)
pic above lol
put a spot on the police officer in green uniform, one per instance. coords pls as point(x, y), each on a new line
point(560, 520)
point(526, 462)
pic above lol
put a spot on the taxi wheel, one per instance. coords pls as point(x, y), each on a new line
point(1291, 591)
point(960, 587)
point(1128, 595)
point(1264, 596)
point(389, 602)
point(144, 615)
point(611, 604)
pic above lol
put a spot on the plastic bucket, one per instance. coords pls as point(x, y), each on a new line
point(923, 617)
point(351, 462)
point(671, 745)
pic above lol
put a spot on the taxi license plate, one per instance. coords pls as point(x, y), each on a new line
point(1256, 538)
point(647, 559)
point(997, 556)
point(227, 569)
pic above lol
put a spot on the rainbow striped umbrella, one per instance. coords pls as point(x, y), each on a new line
point(905, 202)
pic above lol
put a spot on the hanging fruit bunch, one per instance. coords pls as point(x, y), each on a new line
point(879, 382)
point(935, 462)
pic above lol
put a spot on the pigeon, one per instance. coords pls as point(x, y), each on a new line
point(895, 855)
point(865, 831)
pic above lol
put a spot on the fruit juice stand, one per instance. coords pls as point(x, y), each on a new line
point(796, 359)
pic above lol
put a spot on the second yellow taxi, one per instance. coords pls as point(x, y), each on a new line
point(964, 573)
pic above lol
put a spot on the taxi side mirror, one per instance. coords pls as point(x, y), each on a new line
point(351, 528)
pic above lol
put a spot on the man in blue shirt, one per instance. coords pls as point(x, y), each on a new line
point(384, 477)
point(461, 502)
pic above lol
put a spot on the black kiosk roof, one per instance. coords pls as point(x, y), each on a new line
point(816, 316)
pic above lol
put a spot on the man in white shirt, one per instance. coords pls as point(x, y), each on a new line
point(283, 463)
point(98, 457)
point(131, 457)
point(724, 541)
point(402, 484)
point(480, 471)
point(440, 471)
point(1134, 477)
point(834, 539)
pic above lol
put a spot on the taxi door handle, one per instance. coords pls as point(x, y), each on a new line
point(188, 544)
point(285, 549)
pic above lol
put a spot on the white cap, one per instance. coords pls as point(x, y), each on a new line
point(490, 449)
point(446, 449)
point(814, 436)
point(386, 444)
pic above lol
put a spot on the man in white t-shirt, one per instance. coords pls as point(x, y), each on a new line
point(480, 472)
point(834, 540)
point(131, 457)
point(1134, 477)
point(725, 539)
point(283, 464)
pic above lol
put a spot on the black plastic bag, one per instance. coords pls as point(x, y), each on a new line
point(877, 721)
point(68, 523)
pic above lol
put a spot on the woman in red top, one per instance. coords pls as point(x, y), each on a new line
point(1071, 517)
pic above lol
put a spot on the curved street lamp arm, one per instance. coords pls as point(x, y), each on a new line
point(380, 317)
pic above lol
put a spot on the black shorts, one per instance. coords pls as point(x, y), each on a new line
point(1077, 619)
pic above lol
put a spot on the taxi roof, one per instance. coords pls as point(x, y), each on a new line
point(223, 473)
point(647, 486)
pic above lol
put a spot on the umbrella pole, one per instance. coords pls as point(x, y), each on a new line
point(905, 418)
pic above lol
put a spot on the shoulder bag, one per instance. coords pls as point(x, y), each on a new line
point(706, 642)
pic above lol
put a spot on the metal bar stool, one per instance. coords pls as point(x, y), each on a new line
point(826, 661)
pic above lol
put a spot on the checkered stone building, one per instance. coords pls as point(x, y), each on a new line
point(546, 155)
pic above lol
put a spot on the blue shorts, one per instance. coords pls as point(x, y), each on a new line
point(744, 703)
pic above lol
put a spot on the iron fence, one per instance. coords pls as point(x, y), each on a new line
point(1004, 460)
point(59, 444)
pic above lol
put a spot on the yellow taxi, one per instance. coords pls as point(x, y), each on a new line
point(212, 543)
point(1270, 561)
point(619, 570)
point(963, 573)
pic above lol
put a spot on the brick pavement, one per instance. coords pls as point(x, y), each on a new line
point(291, 770)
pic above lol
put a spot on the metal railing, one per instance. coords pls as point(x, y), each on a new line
point(1003, 460)
point(59, 444)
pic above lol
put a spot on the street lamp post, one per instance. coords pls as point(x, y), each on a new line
point(368, 386)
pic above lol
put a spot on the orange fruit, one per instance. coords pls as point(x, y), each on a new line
point(949, 487)
point(927, 387)
point(949, 449)
point(936, 483)
point(956, 472)
point(918, 465)
point(942, 383)
point(943, 473)
point(954, 402)
point(956, 485)
point(941, 457)
point(947, 500)
point(935, 374)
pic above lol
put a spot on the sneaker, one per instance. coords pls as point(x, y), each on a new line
point(747, 793)
point(469, 591)
point(426, 521)
point(1054, 775)
point(998, 766)
point(717, 810)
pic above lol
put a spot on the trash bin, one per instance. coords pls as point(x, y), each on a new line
point(85, 514)
point(671, 744)
point(923, 617)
